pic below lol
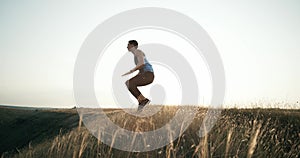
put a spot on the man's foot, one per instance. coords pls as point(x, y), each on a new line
point(143, 103)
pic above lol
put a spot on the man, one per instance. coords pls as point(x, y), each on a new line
point(144, 77)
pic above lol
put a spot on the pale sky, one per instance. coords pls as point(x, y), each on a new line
point(257, 40)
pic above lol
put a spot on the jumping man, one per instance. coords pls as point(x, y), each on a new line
point(144, 77)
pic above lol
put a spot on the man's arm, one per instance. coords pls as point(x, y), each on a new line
point(140, 58)
point(140, 64)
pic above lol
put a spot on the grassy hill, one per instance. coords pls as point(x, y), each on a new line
point(23, 126)
point(238, 133)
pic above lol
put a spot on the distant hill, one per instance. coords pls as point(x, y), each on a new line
point(21, 125)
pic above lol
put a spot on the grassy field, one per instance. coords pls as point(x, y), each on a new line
point(237, 133)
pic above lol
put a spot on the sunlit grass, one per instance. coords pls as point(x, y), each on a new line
point(237, 133)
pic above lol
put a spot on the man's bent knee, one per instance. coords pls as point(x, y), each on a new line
point(127, 83)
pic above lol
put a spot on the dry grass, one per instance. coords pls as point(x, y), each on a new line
point(238, 133)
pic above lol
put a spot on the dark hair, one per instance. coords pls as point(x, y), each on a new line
point(134, 42)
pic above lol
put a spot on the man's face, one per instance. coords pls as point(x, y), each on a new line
point(129, 46)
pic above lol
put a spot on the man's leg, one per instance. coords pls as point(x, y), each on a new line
point(141, 98)
point(139, 80)
point(132, 86)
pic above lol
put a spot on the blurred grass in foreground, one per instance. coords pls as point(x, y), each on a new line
point(237, 133)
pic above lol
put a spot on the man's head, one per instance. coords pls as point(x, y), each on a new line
point(132, 43)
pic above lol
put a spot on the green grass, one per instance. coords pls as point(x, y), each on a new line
point(237, 133)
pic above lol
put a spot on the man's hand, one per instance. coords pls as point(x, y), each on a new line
point(127, 73)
